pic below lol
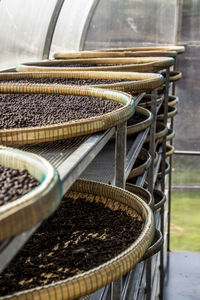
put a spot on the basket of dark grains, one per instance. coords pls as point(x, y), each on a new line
point(43, 113)
point(29, 191)
point(122, 64)
point(126, 81)
point(98, 234)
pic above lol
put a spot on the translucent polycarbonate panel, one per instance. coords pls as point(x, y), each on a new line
point(24, 25)
point(117, 23)
point(188, 90)
point(190, 23)
point(71, 25)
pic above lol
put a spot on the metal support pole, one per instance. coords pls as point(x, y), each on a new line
point(120, 155)
point(163, 183)
point(150, 182)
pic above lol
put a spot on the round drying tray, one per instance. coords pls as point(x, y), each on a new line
point(96, 54)
point(170, 135)
point(169, 150)
point(136, 82)
point(159, 199)
point(173, 75)
point(173, 100)
point(178, 49)
point(141, 125)
point(145, 157)
point(69, 129)
point(25, 212)
point(146, 101)
point(161, 131)
point(144, 194)
point(138, 64)
point(167, 170)
point(172, 111)
point(89, 281)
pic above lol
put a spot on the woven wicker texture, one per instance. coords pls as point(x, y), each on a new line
point(69, 129)
point(173, 76)
point(161, 131)
point(167, 170)
point(146, 158)
point(159, 199)
point(92, 54)
point(137, 82)
point(172, 111)
point(25, 212)
point(144, 194)
point(155, 246)
point(137, 64)
point(178, 49)
point(173, 100)
point(90, 281)
point(132, 129)
point(169, 150)
point(147, 103)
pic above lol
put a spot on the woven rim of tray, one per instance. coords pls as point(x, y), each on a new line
point(132, 129)
point(170, 114)
point(69, 129)
point(171, 134)
point(173, 100)
point(169, 150)
point(93, 54)
point(138, 64)
point(92, 280)
point(178, 49)
point(138, 82)
point(161, 131)
point(25, 212)
point(173, 75)
point(147, 104)
point(144, 194)
point(167, 170)
point(162, 200)
point(144, 155)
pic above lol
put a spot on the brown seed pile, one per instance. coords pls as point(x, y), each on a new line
point(14, 184)
point(78, 237)
point(18, 111)
point(136, 119)
point(68, 81)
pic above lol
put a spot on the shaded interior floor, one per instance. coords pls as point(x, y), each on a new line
point(183, 276)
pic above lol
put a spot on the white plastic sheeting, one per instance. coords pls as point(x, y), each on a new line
point(23, 30)
point(117, 23)
point(71, 25)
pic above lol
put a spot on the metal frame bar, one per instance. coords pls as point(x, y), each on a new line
point(51, 28)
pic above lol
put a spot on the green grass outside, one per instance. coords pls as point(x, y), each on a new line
point(186, 176)
point(185, 221)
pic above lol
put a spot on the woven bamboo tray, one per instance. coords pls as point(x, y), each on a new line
point(136, 82)
point(132, 129)
point(178, 49)
point(137, 64)
point(96, 54)
point(142, 193)
point(173, 75)
point(173, 100)
point(169, 135)
point(69, 129)
point(167, 170)
point(159, 199)
point(25, 212)
point(147, 104)
point(161, 131)
point(92, 280)
point(172, 111)
point(169, 150)
point(144, 156)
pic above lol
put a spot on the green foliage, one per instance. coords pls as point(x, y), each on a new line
point(185, 221)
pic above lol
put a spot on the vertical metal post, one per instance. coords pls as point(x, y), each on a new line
point(170, 175)
point(120, 155)
point(150, 182)
point(163, 182)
